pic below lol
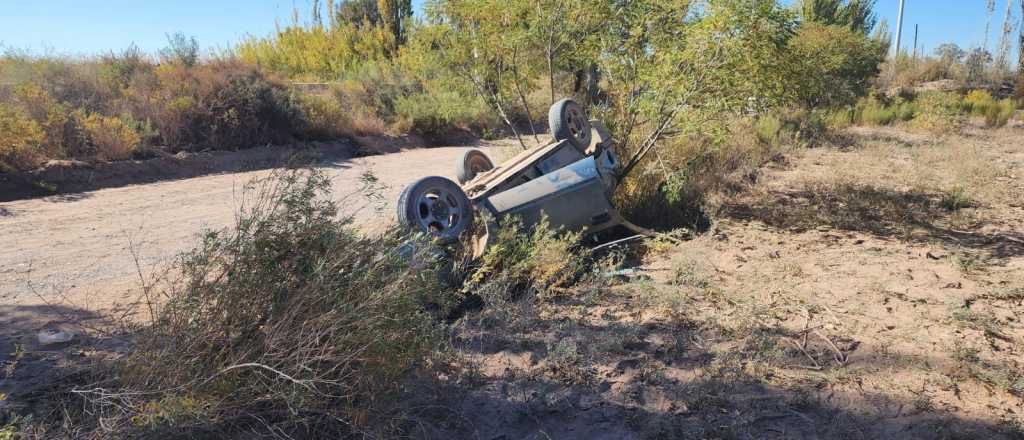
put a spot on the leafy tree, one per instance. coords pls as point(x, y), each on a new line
point(486, 43)
point(976, 62)
point(673, 69)
point(358, 12)
point(858, 15)
point(181, 50)
point(950, 55)
point(560, 30)
point(834, 64)
point(394, 15)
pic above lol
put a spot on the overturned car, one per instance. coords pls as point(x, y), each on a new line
point(570, 180)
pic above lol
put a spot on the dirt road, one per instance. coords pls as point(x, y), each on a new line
point(79, 250)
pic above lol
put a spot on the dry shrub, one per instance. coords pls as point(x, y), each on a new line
point(111, 137)
point(370, 96)
point(63, 134)
point(290, 321)
point(904, 71)
point(221, 105)
point(325, 118)
point(237, 106)
point(20, 138)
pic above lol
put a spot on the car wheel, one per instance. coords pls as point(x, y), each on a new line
point(437, 206)
point(472, 163)
point(569, 122)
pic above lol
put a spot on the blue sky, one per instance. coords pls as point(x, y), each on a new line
point(84, 27)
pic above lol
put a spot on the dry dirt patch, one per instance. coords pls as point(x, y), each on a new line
point(869, 292)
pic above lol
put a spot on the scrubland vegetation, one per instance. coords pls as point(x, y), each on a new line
point(294, 324)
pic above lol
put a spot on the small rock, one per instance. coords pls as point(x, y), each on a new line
point(956, 285)
point(51, 337)
point(933, 256)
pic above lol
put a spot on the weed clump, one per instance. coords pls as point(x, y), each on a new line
point(290, 321)
point(543, 261)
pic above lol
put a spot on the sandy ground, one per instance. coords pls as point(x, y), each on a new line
point(838, 296)
point(873, 290)
point(79, 250)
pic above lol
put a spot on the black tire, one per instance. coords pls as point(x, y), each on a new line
point(472, 163)
point(569, 122)
point(437, 206)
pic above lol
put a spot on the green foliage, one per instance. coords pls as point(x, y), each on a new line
point(855, 15)
point(996, 113)
point(181, 50)
point(395, 16)
point(978, 101)
point(833, 65)
point(540, 260)
point(358, 12)
point(956, 199)
point(325, 117)
point(791, 127)
point(315, 52)
point(938, 113)
point(437, 113)
point(871, 110)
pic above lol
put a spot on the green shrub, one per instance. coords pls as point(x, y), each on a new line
point(839, 118)
point(876, 110)
point(979, 102)
point(541, 260)
point(905, 111)
point(878, 115)
point(834, 64)
point(434, 114)
point(316, 52)
point(1000, 113)
point(938, 112)
point(956, 199)
point(768, 129)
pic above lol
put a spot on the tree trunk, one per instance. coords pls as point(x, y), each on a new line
point(1020, 47)
point(522, 96)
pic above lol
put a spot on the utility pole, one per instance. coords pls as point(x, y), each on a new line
point(915, 41)
point(899, 28)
